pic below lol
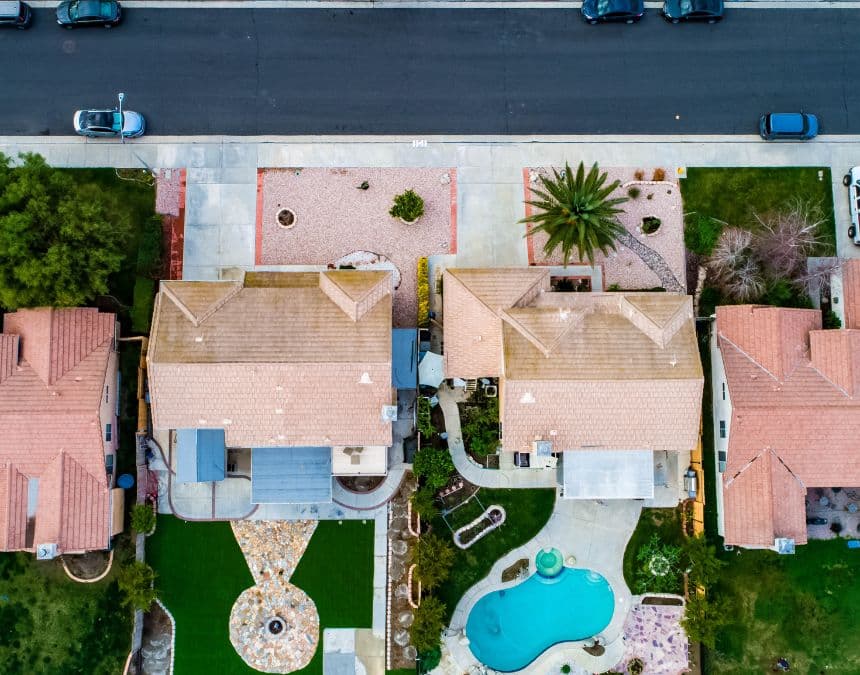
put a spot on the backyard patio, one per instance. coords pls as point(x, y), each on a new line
point(341, 217)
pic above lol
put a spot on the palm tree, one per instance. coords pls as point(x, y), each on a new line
point(576, 212)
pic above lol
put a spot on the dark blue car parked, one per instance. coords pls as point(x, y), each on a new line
point(612, 11)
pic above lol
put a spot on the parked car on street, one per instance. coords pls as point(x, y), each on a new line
point(852, 182)
point(709, 11)
point(73, 13)
point(107, 123)
point(816, 521)
point(612, 11)
point(14, 13)
point(788, 126)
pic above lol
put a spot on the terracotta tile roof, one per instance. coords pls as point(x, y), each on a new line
point(612, 370)
point(287, 359)
point(50, 427)
point(851, 292)
point(801, 410)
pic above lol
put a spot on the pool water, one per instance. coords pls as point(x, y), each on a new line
point(509, 629)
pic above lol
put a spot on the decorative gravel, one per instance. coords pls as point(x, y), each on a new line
point(623, 267)
point(168, 184)
point(335, 219)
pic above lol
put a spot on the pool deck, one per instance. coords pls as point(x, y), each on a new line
point(596, 534)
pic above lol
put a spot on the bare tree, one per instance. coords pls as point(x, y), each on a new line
point(734, 266)
point(787, 237)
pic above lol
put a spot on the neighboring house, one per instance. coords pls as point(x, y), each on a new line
point(289, 371)
point(612, 380)
point(58, 431)
point(786, 418)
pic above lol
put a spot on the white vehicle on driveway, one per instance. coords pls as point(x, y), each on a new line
point(852, 182)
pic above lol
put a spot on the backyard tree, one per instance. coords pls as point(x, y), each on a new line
point(433, 558)
point(137, 583)
point(59, 239)
point(704, 617)
point(142, 518)
point(702, 557)
point(426, 628)
point(424, 502)
point(658, 567)
point(433, 466)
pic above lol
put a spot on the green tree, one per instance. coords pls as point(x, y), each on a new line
point(137, 582)
point(703, 618)
point(59, 239)
point(142, 518)
point(577, 213)
point(433, 466)
point(426, 628)
point(424, 502)
point(704, 565)
point(433, 558)
point(658, 567)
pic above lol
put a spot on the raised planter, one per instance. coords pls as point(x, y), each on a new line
point(488, 521)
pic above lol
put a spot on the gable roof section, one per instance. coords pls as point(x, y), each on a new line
point(279, 363)
point(8, 355)
point(836, 355)
point(198, 300)
point(49, 413)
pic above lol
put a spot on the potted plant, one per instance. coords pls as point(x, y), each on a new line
point(636, 666)
point(408, 207)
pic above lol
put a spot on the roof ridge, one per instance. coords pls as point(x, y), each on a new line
point(721, 336)
point(233, 287)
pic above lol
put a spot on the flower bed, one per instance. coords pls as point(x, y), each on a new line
point(481, 526)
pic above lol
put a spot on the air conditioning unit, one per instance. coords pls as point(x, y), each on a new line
point(389, 413)
point(542, 448)
point(46, 551)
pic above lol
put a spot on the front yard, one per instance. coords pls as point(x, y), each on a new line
point(201, 572)
point(528, 510)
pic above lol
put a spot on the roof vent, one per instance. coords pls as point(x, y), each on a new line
point(674, 361)
point(201, 422)
point(199, 338)
point(279, 411)
point(226, 421)
point(46, 551)
point(528, 397)
point(553, 432)
point(365, 379)
point(389, 413)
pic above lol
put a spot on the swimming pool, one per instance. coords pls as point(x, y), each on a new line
point(509, 629)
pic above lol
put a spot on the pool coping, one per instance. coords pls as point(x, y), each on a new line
point(563, 652)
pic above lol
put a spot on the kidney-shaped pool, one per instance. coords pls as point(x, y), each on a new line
point(509, 629)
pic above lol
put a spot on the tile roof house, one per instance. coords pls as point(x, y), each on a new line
point(288, 360)
point(582, 371)
point(58, 430)
point(786, 415)
point(845, 291)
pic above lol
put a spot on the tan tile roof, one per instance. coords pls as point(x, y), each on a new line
point(287, 359)
point(851, 292)
point(50, 427)
point(798, 408)
point(612, 370)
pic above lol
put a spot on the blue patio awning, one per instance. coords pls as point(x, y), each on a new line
point(290, 475)
point(200, 455)
point(404, 358)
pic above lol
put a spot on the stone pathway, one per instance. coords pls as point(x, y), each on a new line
point(274, 626)
point(653, 633)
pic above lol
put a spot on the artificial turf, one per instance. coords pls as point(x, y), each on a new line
point(201, 572)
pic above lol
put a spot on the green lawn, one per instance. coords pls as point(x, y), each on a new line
point(201, 572)
point(665, 523)
point(527, 512)
point(51, 624)
point(733, 194)
point(804, 607)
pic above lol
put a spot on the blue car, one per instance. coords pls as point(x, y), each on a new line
point(788, 126)
point(612, 11)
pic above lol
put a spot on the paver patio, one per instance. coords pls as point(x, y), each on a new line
point(339, 223)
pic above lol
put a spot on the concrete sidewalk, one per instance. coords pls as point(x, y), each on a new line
point(221, 185)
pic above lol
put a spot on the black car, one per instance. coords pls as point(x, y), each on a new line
point(676, 11)
point(89, 13)
point(816, 521)
point(612, 11)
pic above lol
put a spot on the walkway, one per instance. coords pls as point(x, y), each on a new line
point(474, 472)
point(596, 534)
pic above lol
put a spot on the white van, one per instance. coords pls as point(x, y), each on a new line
point(14, 13)
point(852, 182)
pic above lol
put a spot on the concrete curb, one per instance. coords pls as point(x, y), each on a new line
point(441, 4)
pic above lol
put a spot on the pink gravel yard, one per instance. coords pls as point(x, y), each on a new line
point(623, 267)
point(334, 218)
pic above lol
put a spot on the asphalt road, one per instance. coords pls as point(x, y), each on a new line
point(432, 71)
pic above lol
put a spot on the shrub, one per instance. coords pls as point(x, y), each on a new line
point(831, 320)
point(633, 192)
point(836, 527)
point(480, 424)
point(703, 562)
point(427, 661)
point(426, 628)
point(708, 301)
point(434, 466)
point(136, 581)
point(701, 234)
point(650, 224)
point(142, 518)
point(636, 666)
point(784, 293)
point(424, 502)
point(425, 423)
point(650, 195)
point(658, 567)
point(659, 175)
point(703, 618)
point(433, 558)
point(423, 293)
point(639, 174)
point(613, 288)
point(408, 206)
point(565, 668)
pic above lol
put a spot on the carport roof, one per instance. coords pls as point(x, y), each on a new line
point(296, 475)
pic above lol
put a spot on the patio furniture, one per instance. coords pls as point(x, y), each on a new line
point(852, 507)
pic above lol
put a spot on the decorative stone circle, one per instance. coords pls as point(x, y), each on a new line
point(286, 218)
